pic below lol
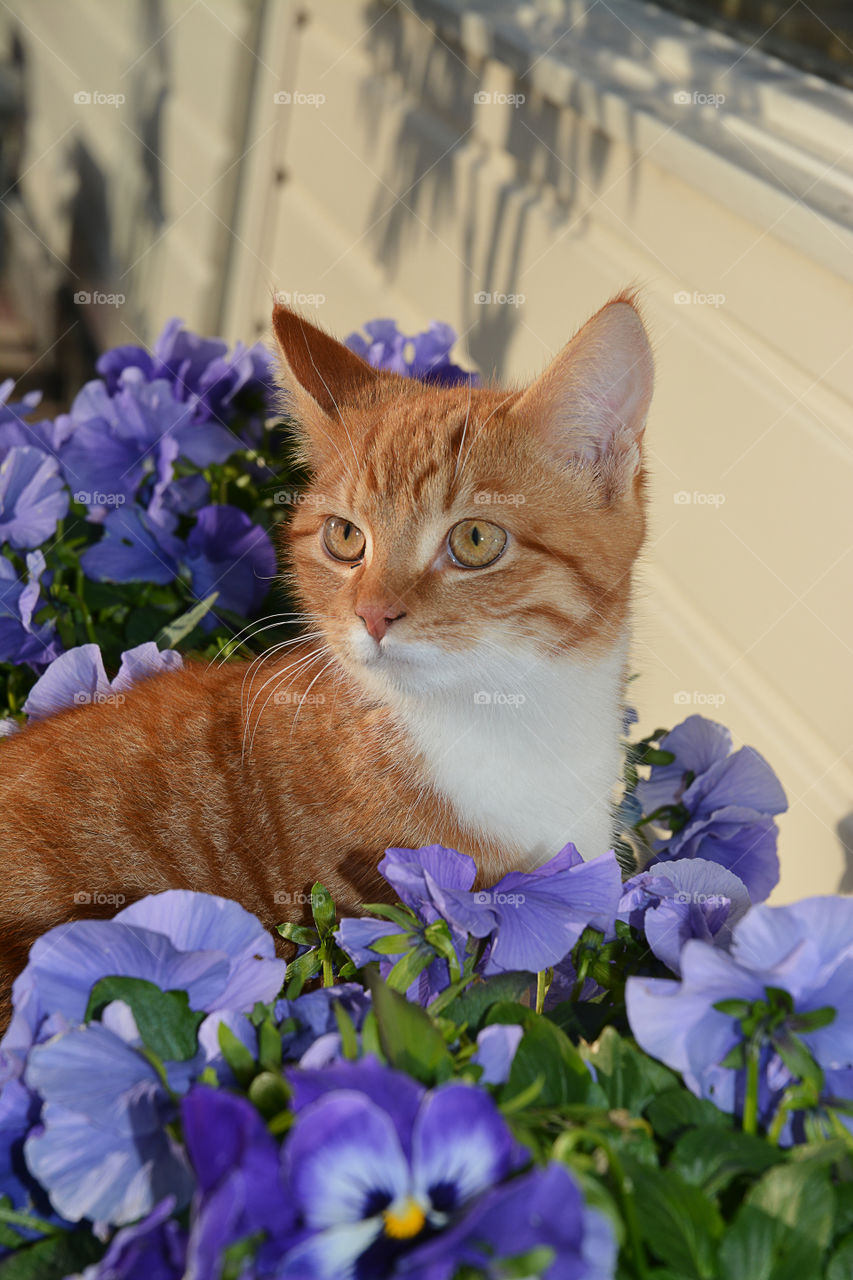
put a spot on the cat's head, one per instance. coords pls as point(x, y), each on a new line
point(450, 526)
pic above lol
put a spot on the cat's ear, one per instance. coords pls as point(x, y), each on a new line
point(319, 377)
point(590, 404)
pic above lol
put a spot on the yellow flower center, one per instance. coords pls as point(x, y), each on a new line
point(403, 1219)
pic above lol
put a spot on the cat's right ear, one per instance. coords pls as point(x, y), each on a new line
point(319, 377)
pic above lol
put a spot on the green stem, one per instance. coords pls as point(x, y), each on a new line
point(14, 1218)
point(775, 1130)
point(328, 971)
point(543, 981)
point(87, 617)
point(750, 1102)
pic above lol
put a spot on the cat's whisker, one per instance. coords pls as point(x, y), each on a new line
point(252, 698)
point(295, 667)
point(257, 662)
point(249, 632)
point(332, 660)
point(482, 425)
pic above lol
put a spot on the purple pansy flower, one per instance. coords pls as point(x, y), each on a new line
point(21, 640)
point(674, 901)
point(390, 1179)
point(199, 369)
point(421, 878)
point(227, 553)
point(78, 676)
point(727, 801)
point(153, 1249)
point(240, 1189)
point(423, 355)
point(314, 1012)
point(33, 497)
point(806, 949)
point(496, 1046)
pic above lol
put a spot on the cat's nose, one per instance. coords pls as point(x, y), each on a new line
point(378, 617)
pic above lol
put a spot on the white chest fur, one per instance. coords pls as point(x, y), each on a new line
point(527, 750)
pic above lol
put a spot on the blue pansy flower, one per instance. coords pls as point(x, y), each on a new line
point(240, 1188)
point(22, 640)
point(102, 1149)
point(806, 949)
point(314, 1013)
point(227, 553)
point(674, 901)
point(422, 355)
point(496, 1046)
point(33, 496)
point(724, 803)
point(135, 547)
point(153, 1249)
point(390, 1179)
point(78, 676)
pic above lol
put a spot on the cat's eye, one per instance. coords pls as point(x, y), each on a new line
point(476, 543)
point(343, 539)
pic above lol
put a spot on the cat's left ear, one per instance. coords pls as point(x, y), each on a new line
point(590, 404)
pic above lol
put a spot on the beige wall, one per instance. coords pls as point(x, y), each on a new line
point(390, 191)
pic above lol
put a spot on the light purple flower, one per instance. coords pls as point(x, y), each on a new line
point(674, 901)
point(33, 497)
point(227, 553)
point(724, 803)
point(135, 547)
point(496, 1046)
point(806, 949)
point(153, 1249)
point(20, 639)
point(78, 676)
point(423, 355)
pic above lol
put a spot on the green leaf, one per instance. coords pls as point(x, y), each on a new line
point(402, 916)
point(758, 1246)
point(676, 1110)
point(680, 1225)
point(629, 1077)
point(236, 1054)
point(322, 909)
point(392, 944)
point(545, 1051)
point(269, 1046)
point(471, 1006)
point(55, 1258)
point(300, 934)
point(840, 1265)
point(410, 966)
point(800, 1195)
point(302, 970)
point(178, 630)
point(409, 1038)
point(346, 1030)
point(711, 1157)
point(167, 1024)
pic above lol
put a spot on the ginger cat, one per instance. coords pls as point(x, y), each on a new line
point(464, 559)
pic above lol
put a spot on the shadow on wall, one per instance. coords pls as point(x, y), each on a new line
point(432, 170)
point(845, 835)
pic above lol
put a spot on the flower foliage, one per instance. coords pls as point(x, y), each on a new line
point(628, 1067)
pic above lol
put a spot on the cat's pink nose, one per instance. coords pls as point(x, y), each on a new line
point(378, 617)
